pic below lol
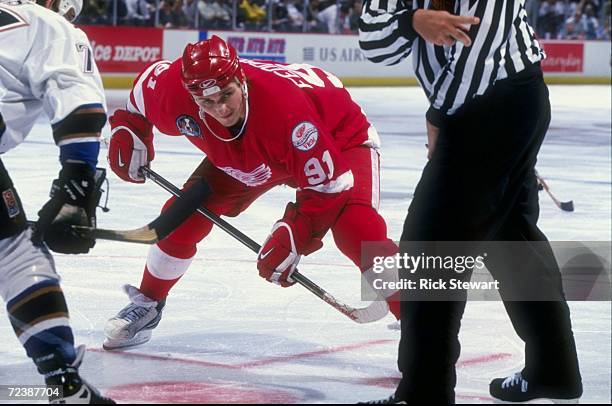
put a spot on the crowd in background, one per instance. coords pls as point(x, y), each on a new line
point(552, 19)
point(577, 19)
point(328, 16)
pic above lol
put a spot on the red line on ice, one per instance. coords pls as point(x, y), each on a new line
point(392, 381)
point(251, 364)
point(310, 354)
point(482, 359)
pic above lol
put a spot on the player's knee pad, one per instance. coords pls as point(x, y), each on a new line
point(34, 300)
point(361, 221)
point(39, 316)
point(181, 243)
point(359, 224)
point(356, 224)
point(22, 265)
point(165, 266)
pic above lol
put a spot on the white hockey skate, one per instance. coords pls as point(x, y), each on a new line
point(134, 324)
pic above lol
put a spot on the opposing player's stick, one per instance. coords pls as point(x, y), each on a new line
point(157, 229)
point(375, 311)
point(565, 206)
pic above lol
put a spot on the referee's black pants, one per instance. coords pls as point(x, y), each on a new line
point(480, 185)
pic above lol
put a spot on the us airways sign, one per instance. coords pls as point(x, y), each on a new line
point(332, 54)
point(123, 49)
point(339, 54)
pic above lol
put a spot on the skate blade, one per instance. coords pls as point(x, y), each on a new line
point(140, 338)
point(574, 401)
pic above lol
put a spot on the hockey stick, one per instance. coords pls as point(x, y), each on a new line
point(565, 206)
point(157, 229)
point(375, 311)
point(142, 235)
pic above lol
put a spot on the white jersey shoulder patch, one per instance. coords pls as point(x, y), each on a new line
point(10, 19)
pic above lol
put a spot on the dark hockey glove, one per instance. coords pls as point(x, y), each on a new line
point(74, 198)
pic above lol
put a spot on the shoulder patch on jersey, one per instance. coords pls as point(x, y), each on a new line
point(188, 126)
point(12, 207)
point(305, 136)
point(10, 19)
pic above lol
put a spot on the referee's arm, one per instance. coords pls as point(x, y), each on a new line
point(502, 42)
point(385, 31)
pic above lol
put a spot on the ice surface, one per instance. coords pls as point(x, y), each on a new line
point(229, 336)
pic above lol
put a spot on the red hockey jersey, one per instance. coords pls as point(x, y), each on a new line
point(299, 120)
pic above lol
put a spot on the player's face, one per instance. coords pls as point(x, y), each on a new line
point(70, 15)
point(227, 106)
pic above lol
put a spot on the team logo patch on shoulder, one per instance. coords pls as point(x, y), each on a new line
point(188, 126)
point(305, 136)
point(12, 208)
point(9, 20)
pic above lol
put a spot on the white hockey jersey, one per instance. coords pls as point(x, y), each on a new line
point(47, 64)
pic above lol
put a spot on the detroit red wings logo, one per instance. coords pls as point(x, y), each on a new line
point(256, 177)
point(305, 136)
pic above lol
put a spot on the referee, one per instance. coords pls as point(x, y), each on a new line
point(479, 65)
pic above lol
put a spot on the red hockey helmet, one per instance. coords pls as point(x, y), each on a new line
point(210, 65)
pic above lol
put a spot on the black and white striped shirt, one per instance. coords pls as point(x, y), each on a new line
point(502, 45)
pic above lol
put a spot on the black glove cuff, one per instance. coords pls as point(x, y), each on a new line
point(75, 170)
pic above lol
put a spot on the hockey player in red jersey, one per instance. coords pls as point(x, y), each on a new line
point(260, 124)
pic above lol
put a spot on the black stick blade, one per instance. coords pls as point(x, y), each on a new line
point(567, 206)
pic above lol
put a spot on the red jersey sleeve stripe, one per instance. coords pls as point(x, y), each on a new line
point(137, 97)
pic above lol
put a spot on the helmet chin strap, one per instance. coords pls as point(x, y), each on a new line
point(245, 94)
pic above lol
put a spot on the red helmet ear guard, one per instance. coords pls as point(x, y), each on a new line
point(209, 65)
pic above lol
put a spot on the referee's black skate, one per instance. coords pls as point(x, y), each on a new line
point(517, 389)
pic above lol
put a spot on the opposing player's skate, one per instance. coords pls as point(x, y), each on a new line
point(73, 388)
point(134, 324)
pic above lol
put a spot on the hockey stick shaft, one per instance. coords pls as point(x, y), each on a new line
point(157, 229)
point(565, 206)
point(358, 315)
point(142, 235)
